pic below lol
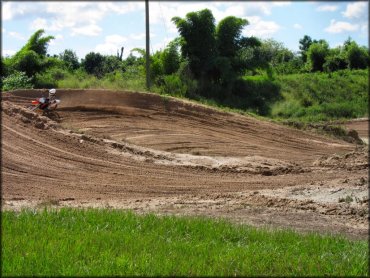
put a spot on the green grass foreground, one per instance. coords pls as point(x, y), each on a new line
point(114, 242)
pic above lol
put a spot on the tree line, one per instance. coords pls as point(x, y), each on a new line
point(205, 61)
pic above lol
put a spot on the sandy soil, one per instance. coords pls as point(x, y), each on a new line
point(361, 126)
point(152, 154)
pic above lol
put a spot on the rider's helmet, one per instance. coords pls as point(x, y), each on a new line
point(52, 92)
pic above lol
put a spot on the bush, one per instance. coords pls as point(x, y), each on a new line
point(17, 80)
point(50, 77)
point(316, 55)
point(173, 86)
point(358, 57)
point(321, 96)
point(256, 93)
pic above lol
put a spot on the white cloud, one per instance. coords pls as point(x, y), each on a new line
point(81, 18)
point(38, 23)
point(358, 10)
point(260, 28)
point(297, 26)
point(137, 36)
point(282, 4)
point(162, 12)
point(91, 30)
point(111, 44)
point(141, 36)
point(51, 25)
point(341, 26)
point(121, 8)
point(57, 40)
point(8, 52)
point(6, 11)
point(327, 8)
point(3, 30)
point(14, 10)
point(116, 39)
point(17, 36)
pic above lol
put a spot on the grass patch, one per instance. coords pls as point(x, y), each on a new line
point(313, 97)
point(113, 242)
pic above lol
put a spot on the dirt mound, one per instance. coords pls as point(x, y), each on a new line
point(355, 160)
point(27, 116)
point(249, 164)
point(149, 153)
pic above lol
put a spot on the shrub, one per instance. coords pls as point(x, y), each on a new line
point(173, 86)
point(256, 93)
point(316, 55)
point(17, 80)
point(321, 96)
point(50, 77)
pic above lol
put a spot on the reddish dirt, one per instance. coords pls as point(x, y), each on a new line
point(148, 153)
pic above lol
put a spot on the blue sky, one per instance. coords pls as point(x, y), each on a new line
point(106, 26)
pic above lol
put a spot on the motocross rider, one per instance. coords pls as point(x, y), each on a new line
point(50, 99)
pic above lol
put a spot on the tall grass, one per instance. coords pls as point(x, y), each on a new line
point(321, 96)
point(115, 81)
point(112, 242)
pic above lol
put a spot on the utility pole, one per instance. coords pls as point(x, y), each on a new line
point(147, 45)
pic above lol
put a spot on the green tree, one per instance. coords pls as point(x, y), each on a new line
point(70, 59)
point(230, 42)
point(171, 58)
point(156, 66)
point(304, 45)
point(31, 59)
point(358, 57)
point(111, 63)
point(37, 43)
point(93, 64)
point(336, 60)
point(228, 35)
point(316, 55)
point(198, 42)
point(28, 61)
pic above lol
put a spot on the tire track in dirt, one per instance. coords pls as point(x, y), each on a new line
point(141, 152)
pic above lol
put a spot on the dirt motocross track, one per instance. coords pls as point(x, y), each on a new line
point(150, 153)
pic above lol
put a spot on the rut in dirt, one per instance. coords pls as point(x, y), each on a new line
point(130, 150)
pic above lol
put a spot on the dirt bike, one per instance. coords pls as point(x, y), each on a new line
point(40, 106)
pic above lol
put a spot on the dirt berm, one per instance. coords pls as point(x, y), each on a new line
point(145, 152)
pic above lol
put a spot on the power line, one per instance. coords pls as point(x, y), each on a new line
point(164, 22)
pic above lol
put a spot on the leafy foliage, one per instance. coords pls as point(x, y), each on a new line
point(70, 59)
point(199, 42)
point(304, 45)
point(37, 43)
point(215, 64)
point(31, 59)
point(316, 55)
point(28, 61)
point(358, 57)
point(336, 60)
point(17, 80)
point(173, 86)
point(171, 58)
point(93, 64)
point(321, 96)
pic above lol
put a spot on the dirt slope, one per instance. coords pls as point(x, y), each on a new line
point(149, 153)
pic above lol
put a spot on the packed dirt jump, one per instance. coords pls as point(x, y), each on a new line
point(151, 153)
